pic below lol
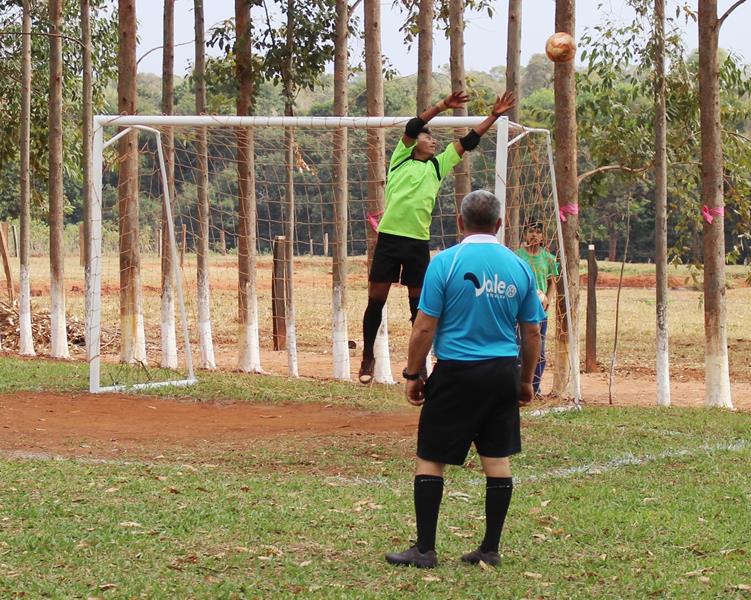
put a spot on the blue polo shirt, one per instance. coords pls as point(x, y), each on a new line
point(479, 290)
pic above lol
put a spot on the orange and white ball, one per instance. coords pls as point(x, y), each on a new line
point(560, 47)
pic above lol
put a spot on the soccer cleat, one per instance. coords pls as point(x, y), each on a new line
point(367, 366)
point(477, 556)
point(413, 558)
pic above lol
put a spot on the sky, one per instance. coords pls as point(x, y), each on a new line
point(485, 37)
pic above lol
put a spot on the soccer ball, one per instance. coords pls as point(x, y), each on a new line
point(560, 47)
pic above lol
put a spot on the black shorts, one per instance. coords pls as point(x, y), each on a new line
point(470, 402)
point(400, 259)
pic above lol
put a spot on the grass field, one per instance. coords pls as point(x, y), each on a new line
point(609, 502)
point(614, 503)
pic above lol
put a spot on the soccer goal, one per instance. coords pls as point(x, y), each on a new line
point(262, 238)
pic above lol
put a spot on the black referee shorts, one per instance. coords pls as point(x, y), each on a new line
point(400, 259)
point(470, 402)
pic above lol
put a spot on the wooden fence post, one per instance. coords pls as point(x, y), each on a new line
point(6, 264)
point(278, 290)
point(183, 245)
point(326, 244)
point(222, 242)
point(15, 241)
point(81, 245)
point(591, 342)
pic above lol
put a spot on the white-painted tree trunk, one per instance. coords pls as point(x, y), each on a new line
point(204, 323)
point(663, 361)
point(26, 336)
point(167, 323)
point(249, 360)
point(58, 331)
point(717, 377)
point(340, 338)
point(382, 371)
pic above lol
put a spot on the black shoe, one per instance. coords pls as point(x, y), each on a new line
point(413, 558)
point(367, 366)
point(477, 556)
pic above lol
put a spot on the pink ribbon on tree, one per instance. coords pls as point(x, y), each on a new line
point(709, 214)
point(373, 219)
point(568, 209)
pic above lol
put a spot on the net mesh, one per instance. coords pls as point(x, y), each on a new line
point(312, 171)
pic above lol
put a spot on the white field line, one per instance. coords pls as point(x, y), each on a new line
point(626, 460)
point(541, 412)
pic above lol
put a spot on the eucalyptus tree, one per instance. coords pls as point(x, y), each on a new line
point(58, 327)
point(202, 183)
point(167, 317)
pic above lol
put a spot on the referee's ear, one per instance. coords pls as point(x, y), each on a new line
point(498, 224)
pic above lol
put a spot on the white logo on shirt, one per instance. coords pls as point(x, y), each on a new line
point(495, 287)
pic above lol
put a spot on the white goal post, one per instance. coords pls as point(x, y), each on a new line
point(507, 135)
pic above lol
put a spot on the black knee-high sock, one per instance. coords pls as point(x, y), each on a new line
point(371, 321)
point(428, 494)
point(497, 499)
point(413, 303)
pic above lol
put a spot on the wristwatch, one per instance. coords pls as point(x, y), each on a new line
point(410, 376)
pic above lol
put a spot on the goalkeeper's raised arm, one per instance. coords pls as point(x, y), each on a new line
point(472, 139)
point(415, 126)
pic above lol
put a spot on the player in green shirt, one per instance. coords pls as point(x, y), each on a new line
point(545, 269)
point(414, 177)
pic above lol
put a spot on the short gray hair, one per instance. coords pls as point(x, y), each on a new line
point(480, 210)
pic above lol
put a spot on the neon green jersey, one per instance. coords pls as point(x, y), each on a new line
point(411, 190)
point(543, 266)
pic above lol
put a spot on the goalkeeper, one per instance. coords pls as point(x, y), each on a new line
point(414, 178)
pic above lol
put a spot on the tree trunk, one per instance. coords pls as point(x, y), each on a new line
point(133, 344)
point(462, 177)
point(376, 155)
point(340, 350)
point(425, 18)
point(513, 84)
point(612, 242)
point(716, 377)
point(289, 208)
point(202, 153)
point(58, 333)
point(167, 320)
point(87, 115)
point(661, 202)
point(26, 337)
point(565, 381)
point(249, 355)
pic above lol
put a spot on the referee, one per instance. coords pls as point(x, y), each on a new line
point(474, 295)
point(415, 175)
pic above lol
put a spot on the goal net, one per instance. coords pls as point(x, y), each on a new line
point(265, 233)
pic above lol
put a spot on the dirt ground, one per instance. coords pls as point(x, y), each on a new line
point(126, 427)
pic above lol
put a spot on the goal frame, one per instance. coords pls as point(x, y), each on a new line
point(149, 122)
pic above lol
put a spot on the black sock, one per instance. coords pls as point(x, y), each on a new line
point(413, 302)
point(428, 494)
point(497, 499)
point(371, 321)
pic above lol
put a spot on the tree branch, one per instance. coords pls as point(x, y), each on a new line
point(49, 35)
point(721, 20)
point(159, 48)
point(606, 168)
point(738, 135)
point(353, 7)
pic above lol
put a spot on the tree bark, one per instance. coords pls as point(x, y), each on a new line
point(249, 352)
point(133, 344)
point(340, 350)
point(87, 116)
point(425, 18)
point(376, 155)
point(565, 381)
point(289, 222)
point(26, 337)
point(513, 84)
point(203, 290)
point(661, 201)
point(462, 177)
point(58, 333)
point(716, 370)
point(167, 320)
